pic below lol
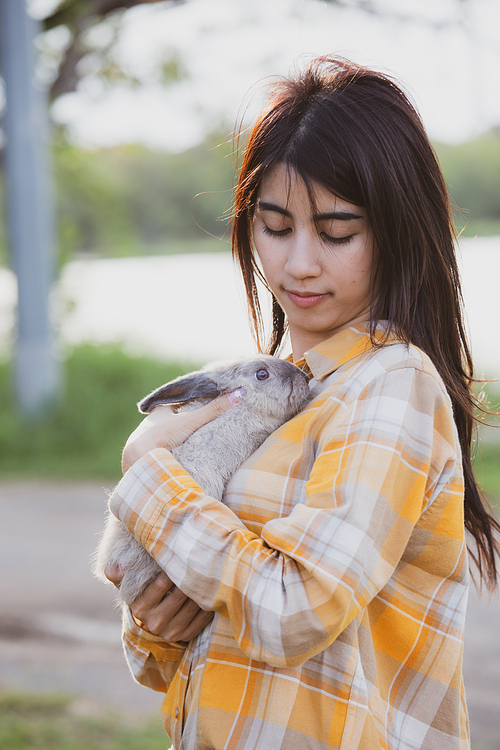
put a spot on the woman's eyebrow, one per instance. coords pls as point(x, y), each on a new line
point(338, 215)
point(265, 206)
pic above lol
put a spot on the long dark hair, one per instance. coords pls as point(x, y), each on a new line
point(355, 132)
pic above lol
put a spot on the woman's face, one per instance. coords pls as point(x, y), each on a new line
point(318, 262)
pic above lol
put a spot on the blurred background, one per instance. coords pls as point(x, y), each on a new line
point(117, 164)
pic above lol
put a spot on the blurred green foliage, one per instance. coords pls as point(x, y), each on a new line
point(472, 172)
point(129, 200)
point(132, 201)
point(48, 721)
point(487, 449)
point(487, 467)
point(83, 434)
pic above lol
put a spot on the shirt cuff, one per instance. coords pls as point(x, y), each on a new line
point(141, 639)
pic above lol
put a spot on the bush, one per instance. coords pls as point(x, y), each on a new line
point(83, 434)
point(472, 172)
point(129, 200)
point(49, 721)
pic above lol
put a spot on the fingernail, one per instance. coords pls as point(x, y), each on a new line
point(236, 396)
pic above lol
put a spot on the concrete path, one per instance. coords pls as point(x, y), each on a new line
point(59, 629)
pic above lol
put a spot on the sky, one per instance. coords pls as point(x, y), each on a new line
point(447, 56)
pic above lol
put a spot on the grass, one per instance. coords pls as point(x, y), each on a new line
point(83, 434)
point(47, 721)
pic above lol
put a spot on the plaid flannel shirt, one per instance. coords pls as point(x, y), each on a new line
point(336, 566)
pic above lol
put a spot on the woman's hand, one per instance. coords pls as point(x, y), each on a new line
point(165, 428)
point(164, 610)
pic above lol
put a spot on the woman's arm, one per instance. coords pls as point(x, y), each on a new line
point(162, 620)
point(290, 592)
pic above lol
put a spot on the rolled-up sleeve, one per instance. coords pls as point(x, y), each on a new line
point(152, 661)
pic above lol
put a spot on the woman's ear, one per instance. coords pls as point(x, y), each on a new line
point(191, 387)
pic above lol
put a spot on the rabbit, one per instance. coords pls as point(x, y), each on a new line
point(275, 391)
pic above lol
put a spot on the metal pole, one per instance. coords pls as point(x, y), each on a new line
point(29, 209)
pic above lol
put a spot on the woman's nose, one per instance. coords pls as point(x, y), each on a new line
point(303, 257)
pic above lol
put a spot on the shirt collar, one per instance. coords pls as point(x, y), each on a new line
point(349, 343)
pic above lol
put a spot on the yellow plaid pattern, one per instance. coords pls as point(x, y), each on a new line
point(337, 568)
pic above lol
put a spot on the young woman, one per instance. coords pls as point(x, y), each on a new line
point(323, 604)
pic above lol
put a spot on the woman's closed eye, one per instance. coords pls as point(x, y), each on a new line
point(275, 232)
point(324, 236)
point(336, 240)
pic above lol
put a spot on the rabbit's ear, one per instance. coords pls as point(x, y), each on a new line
point(186, 388)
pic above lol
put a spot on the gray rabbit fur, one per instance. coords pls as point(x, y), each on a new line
point(275, 391)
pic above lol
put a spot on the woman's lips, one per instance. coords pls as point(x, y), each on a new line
point(305, 299)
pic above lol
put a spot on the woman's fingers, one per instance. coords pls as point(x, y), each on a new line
point(154, 593)
point(164, 428)
point(184, 625)
point(168, 613)
point(195, 626)
point(114, 574)
point(195, 419)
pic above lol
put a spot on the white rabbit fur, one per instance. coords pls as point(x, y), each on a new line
point(212, 453)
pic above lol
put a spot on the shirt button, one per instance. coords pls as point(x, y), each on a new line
point(177, 712)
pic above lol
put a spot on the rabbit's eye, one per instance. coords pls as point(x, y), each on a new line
point(262, 374)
